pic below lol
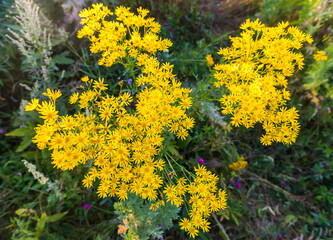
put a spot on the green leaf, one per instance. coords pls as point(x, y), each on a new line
point(41, 224)
point(29, 155)
point(203, 236)
point(22, 212)
point(223, 235)
point(20, 132)
point(24, 144)
point(56, 217)
point(290, 220)
point(62, 59)
point(234, 218)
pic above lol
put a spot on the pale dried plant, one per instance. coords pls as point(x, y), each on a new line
point(33, 40)
point(33, 170)
point(212, 112)
point(51, 186)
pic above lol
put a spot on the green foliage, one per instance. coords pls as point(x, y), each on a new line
point(285, 190)
point(141, 222)
point(319, 76)
point(22, 224)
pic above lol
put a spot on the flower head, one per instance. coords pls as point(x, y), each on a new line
point(320, 56)
point(210, 60)
point(201, 161)
point(86, 206)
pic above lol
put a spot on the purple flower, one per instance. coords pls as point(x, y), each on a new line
point(87, 206)
point(2, 131)
point(279, 236)
point(129, 81)
point(201, 161)
point(296, 176)
point(165, 24)
point(238, 185)
point(283, 182)
point(171, 29)
point(232, 181)
point(171, 36)
point(81, 204)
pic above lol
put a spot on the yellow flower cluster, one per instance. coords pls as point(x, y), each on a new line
point(320, 56)
point(210, 60)
point(254, 71)
point(120, 140)
point(120, 136)
point(203, 198)
point(239, 165)
point(127, 35)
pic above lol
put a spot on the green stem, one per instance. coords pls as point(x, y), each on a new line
point(180, 166)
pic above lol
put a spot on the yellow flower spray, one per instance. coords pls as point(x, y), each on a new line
point(120, 136)
point(255, 72)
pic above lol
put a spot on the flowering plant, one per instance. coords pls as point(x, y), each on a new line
point(120, 137)
point(255, 72)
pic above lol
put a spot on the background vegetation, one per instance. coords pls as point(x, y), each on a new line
point(285, 192)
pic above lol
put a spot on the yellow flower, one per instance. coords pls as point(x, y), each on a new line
point(210, 60)
point(32, 105)
point(238, 165)
point(73, 99)
point(99, 85)
point(52, 94)
point(85, 79)
point(193, 232)
point(48, 111)
point(320, 56)
point(185, 224)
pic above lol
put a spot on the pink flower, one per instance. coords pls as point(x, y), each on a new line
point(201, 161)
point(87, 206)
